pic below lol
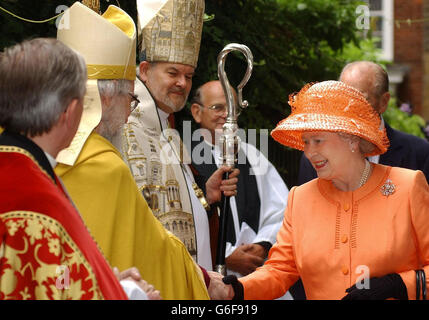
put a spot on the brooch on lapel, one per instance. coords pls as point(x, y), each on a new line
point(388, 188)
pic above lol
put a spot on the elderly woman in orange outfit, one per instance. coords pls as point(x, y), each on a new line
point(359, 231)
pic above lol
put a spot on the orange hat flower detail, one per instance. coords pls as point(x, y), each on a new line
point(331, 106)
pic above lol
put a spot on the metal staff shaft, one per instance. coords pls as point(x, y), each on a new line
point(223, 229)
point(230, 140)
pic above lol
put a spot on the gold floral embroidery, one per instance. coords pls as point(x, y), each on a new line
point(35, 249)
point(25, 295)
point(54, 246)
point(72, 259)
point(34, 230)
point(10, 285)
point(12, 227)
point(76, 288)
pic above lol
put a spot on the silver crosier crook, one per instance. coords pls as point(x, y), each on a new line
point(229, 140)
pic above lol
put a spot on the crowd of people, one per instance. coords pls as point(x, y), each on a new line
point(101, 200)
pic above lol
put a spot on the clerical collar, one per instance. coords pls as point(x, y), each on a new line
point(51, 160)
point(8, 138)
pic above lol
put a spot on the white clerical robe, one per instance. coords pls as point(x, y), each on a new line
point(202, 231)
point(273, 194)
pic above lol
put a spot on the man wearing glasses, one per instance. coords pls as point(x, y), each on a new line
point(98, 180)
point(257, 209)
point(152, 148)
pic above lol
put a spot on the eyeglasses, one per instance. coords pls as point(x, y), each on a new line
point(217, 108)
point(134, 102)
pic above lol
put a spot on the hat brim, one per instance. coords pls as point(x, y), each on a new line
point(289, 131)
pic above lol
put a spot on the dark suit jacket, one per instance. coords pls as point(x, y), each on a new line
point(405, 151)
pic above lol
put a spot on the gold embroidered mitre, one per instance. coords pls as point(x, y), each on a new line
point(171, 30)
point(108, 44)
point(92, 4)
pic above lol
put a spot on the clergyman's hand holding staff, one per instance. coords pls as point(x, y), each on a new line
point(230, 141)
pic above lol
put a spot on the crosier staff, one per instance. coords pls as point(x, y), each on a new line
point(229, 140)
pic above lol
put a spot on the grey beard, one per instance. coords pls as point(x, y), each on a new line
point(114, 138)
point(172, 106)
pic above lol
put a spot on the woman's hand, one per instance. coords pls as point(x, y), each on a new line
point(389, 286)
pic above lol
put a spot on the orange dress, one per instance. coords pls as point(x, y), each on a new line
point(332, 239)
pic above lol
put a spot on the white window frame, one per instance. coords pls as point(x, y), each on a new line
point(387, 37)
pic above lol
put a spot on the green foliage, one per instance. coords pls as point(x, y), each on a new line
point(365, 49)
point(394, 116)
point(293, 42)
point(403, 121)
point(14, 30)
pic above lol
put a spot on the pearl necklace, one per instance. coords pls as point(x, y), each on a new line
point(365, 174)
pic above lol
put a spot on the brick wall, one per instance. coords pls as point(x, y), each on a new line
point(425, 111)
point(409, 50)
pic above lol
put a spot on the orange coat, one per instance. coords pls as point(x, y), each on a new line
point(330, 237)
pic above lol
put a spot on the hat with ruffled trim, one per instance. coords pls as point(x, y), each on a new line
point(331, 106)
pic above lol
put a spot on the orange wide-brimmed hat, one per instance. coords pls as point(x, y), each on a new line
point(331, 106)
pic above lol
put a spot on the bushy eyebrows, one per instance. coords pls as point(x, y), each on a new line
point(173, 69)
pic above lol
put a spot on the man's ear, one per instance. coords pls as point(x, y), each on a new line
point(143, 69)
point(384, 102)
point(196, 112)
point(74, 111)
